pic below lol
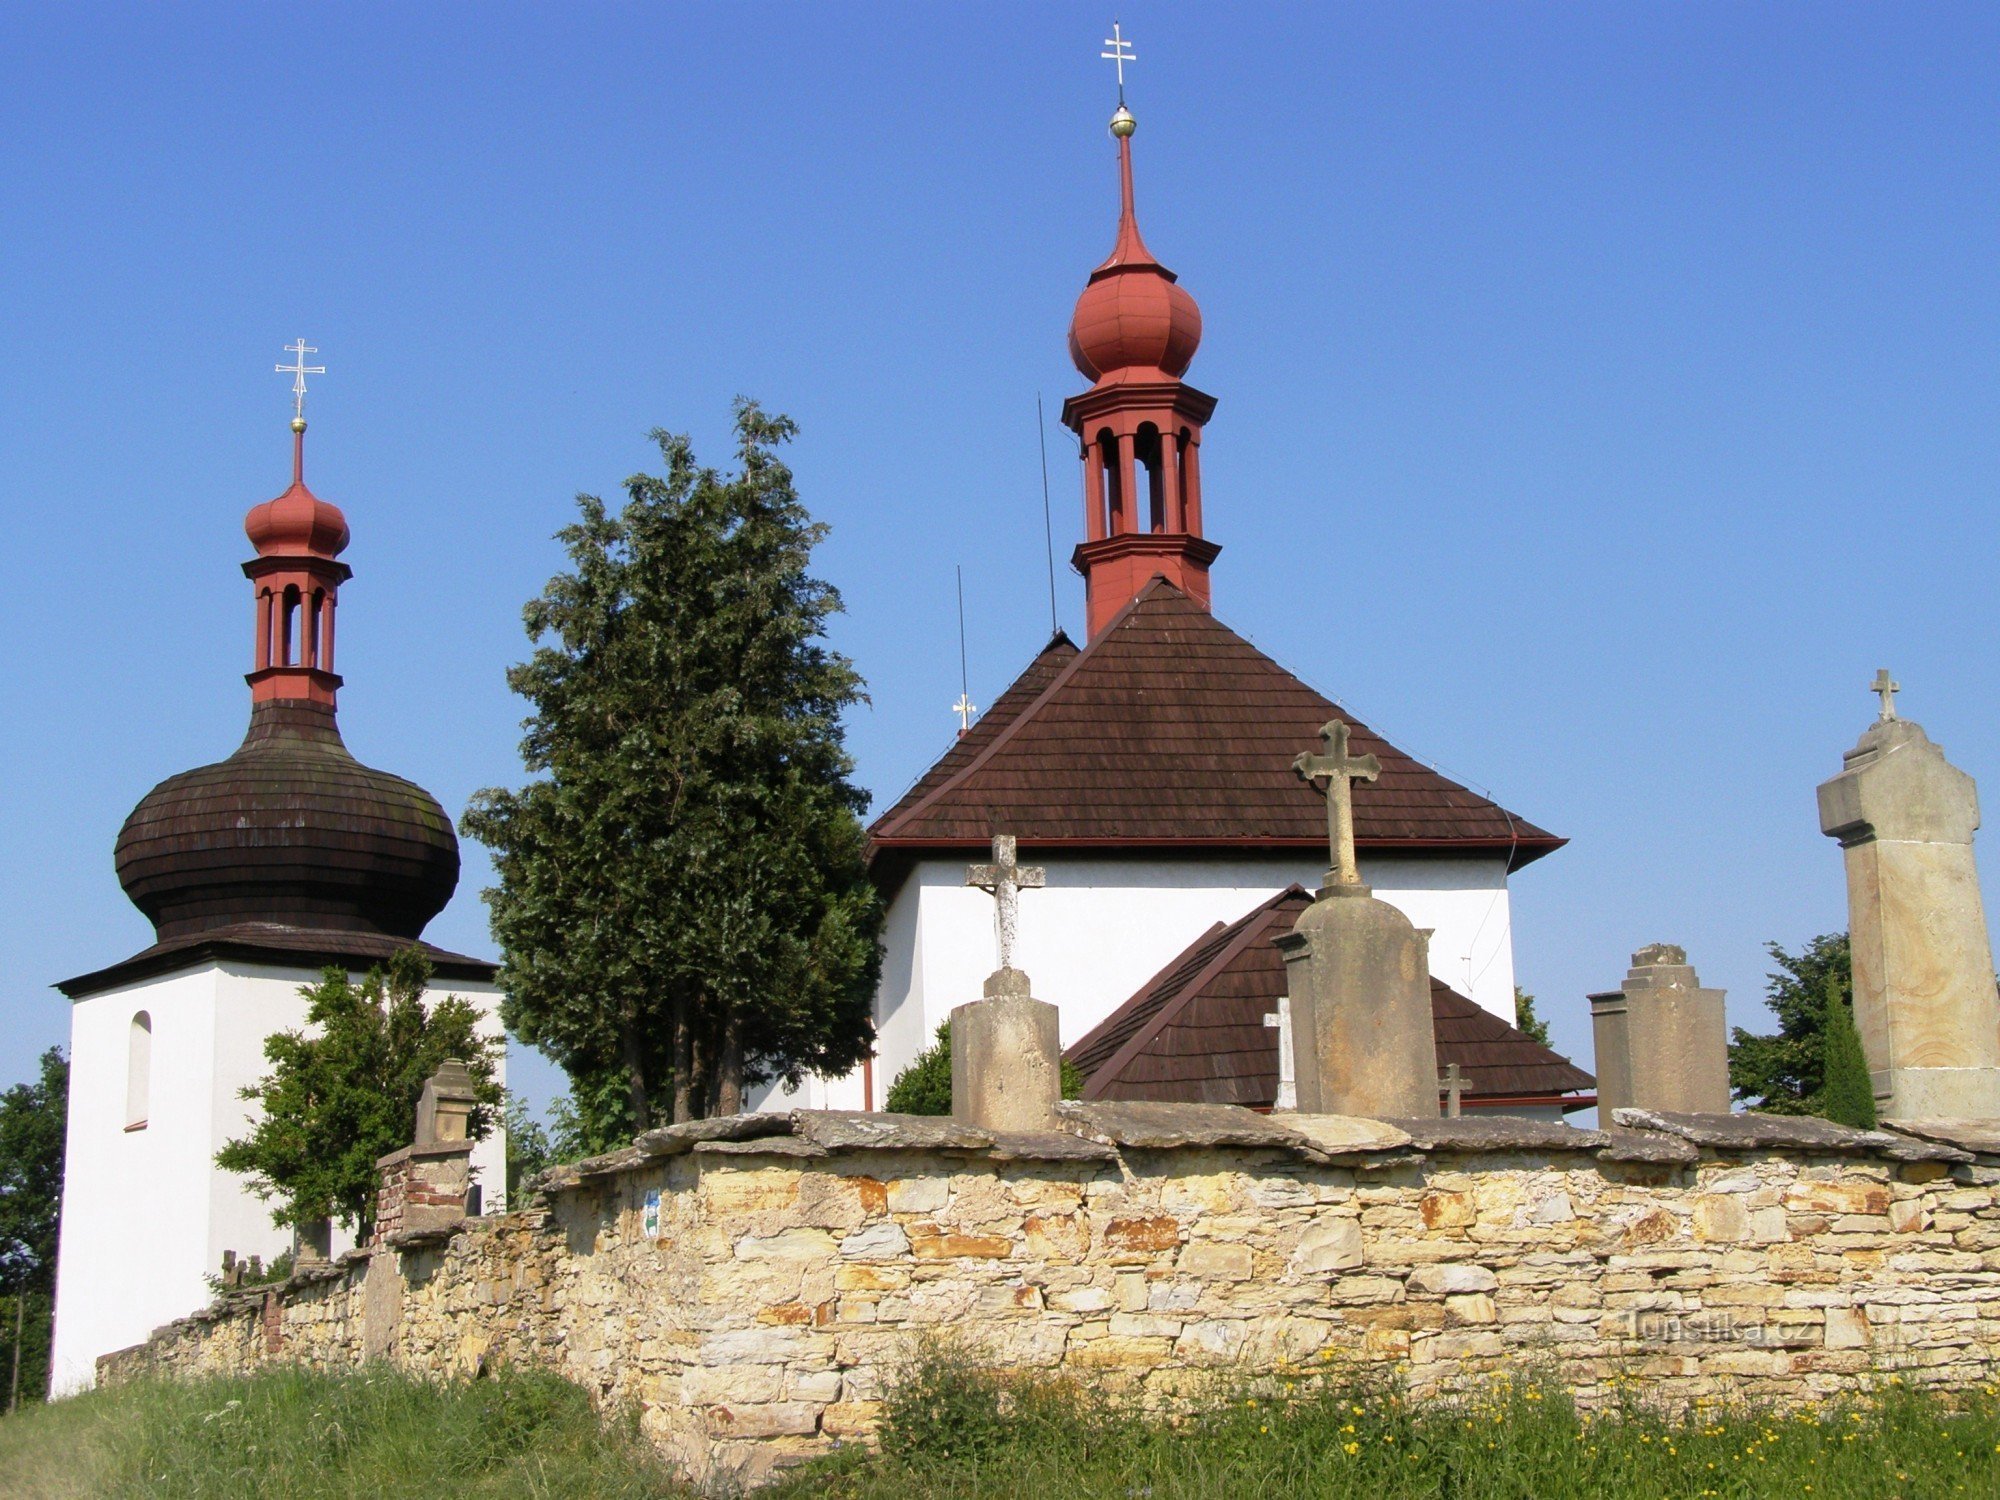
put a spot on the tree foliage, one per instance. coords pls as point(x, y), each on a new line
point(682, 905)
point(1526, 1021)
point(1847, 1093)
point(924, 1087)
point(34, 1119)
point(1785, 1074)
point(342, 1092)
point(534, 1146)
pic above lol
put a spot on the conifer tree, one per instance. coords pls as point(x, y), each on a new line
point(1785, 1074)
point(682, 905)
point(1847, 1094)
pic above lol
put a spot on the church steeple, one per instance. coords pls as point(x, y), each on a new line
point(1134, 333)
point(296, 573)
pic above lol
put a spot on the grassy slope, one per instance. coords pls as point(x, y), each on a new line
point(953, 1431)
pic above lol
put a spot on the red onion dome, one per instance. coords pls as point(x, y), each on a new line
point(298, 523)
point(1133, 319)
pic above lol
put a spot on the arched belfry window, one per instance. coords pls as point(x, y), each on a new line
point(138, 1071)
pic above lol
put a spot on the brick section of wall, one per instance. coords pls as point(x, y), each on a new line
point(749, 1298)
point(422, 1188)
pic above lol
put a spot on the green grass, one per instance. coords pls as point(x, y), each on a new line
point(292, 1435)
point(953, 1430)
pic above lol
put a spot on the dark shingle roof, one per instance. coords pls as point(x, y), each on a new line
point(1172, 730)
point(1195, 1032)
point(276, 944)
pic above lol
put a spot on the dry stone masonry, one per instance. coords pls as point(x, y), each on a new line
point(748, 1285)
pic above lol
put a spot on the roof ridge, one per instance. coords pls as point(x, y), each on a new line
point(1246, 927)
point(1024, 716)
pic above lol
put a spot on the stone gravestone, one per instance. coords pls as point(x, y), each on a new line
point(1661, 1041)
point(1006, 1049)
point(1358, 975)
point(1924, 997)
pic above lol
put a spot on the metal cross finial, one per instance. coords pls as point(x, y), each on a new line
point(1120, 54)
point(298, 369)
point(1886, 688)
point(1339, 770)
point(965, 708)
point(1006, 880)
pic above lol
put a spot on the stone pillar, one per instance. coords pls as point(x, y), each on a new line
point(1924, 998)
point(1661, 1042)
point(1006, 1058)
point(424, 1186)
point(444, 1109)
point(1358, 974)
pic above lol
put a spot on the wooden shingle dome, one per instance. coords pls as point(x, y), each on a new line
point(291, 829)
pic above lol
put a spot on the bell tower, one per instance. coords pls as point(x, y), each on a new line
point(1134, 333)
point(296, 574)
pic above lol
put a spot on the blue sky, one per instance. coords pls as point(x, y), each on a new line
point(1605, 392)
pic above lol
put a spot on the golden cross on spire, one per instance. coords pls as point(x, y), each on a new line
point(966, 710)
point(298, 369)
point(1120, 54)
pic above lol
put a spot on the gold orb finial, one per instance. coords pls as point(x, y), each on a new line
point(1123, 123)
point(298, 424)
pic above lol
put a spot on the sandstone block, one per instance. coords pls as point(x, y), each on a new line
point(1216, 1262)
point(1452, 1280)
point(919, 1195)
point(881, 1241)
point(1471, 1308)
point(1721, 1217)
point(1327, 1246)
point(770, 1419)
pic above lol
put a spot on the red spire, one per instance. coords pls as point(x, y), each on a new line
point(1134, 333)
point(298, 538)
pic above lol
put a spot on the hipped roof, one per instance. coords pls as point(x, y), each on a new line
point(1172, 730)
point(1195, 1032)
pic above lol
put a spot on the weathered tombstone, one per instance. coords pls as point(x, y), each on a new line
point(1006, 1049)
point(1924, 997)
point(1661, 1041)
point(424, 1186)
point(444, 1109)
point(1358, 975)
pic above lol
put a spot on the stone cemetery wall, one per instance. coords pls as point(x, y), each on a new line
point(749, 1293)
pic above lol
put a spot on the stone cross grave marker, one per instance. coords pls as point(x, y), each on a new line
point(1339, 770)
point(1885, 687)
point(1280, 1020)
point(1452, 1082)
point(1006, 879)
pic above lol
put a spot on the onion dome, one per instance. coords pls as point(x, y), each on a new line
point(290, 830)
point(298, 523)
point(1133, 321)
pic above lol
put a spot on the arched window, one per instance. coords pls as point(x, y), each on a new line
point(1146, 453)
point(138, 1071)
point(1114, 483)
point(289, 636)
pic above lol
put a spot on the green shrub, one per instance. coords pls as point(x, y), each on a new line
point(924, 1087)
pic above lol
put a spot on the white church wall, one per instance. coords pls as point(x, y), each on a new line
point(160, 1186)
point(135, 1201)
point(1103, 927)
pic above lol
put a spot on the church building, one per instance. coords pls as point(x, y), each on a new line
point(1149, 770)
point(256, 873)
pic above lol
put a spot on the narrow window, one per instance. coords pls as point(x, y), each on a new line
point(1146, 452)
point(138, 1071)
point(290, 636)
point(1114, 483)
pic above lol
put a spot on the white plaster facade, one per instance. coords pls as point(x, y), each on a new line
point(146, 1213)
point(1102, 927)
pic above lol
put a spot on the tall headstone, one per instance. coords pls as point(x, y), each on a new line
point(1924, 997)
point(1358, 975)
point(1006, 1048)
point(1661, 1040)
